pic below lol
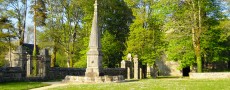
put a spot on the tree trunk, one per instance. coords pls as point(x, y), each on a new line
point(198, 58)
point(196, 32)
point(53, 60)
point(35, 51)
point(24, 24)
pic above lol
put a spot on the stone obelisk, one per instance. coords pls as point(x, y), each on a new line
point(94, 55)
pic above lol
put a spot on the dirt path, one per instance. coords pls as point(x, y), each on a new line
point(53, 85)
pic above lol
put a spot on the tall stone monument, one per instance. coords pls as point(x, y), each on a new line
point(94, 55)
point(94, 70)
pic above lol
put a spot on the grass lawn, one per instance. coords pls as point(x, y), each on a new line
point(20, 85)
point(155, 84)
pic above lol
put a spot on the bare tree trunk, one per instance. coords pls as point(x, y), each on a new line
point(198, 51)
point(196, 31)
point(24, 24)
point(53, 60)
point(35, 51)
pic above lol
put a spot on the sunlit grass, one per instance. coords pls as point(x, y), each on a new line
point(155, 84)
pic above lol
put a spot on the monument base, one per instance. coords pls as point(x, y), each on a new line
point(99, 79)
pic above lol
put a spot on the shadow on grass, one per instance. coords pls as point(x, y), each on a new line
point(171, 77)
point(130, 80)
point(16, 85)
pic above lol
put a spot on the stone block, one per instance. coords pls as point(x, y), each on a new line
point(115, 79)
point(107, 78)
point(89, 79)
point(210, 75)
point(120, 77)
point(99, 79)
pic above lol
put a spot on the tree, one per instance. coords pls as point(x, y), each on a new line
point(111, 50)
point(63, 27)
point(5, 36)
point(191, 19)
point(215, 44)
point(39, 10)
point(17, 9)
point(146, 37)
point(114, 20)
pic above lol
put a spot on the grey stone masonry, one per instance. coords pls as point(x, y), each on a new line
point(210, 75)
point(45, 61)
point(29, 66)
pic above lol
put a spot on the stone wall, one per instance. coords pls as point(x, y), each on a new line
point(17, 74)
point(11, 74)
point(168, 68)
point(60, 73)
point(210, 75)
point(21, 68)
point(115, 71)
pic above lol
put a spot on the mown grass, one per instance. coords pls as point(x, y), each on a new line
point(155, 84)
point(20, 85)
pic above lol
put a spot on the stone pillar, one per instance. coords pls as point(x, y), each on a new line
point(29, 65)
point(123, 64)
point(154, 71)
point(135, 61)
point(127, 65)
point(129, 57)
point(128, 73)
point(22, 57)
point(148, 71)
point(45, 62)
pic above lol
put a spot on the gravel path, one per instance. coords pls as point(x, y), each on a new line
point(53, 85)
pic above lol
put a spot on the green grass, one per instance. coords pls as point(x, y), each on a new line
point(20, 85)
point(155, 84)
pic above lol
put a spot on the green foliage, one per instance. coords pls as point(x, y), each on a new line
point(3, 51)
point(215, 43)
point(39, 9)
point(17, 11)
point(5, 36)
point(69, 27)
point(180, 49)
point(148, 28)
point(61, 60)
point(63, 30)
point(111, 49)
point(114, 25)
point(190, 25)
point(146, 37)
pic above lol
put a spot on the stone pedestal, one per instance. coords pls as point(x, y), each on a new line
point(94, 67)
point(99, 79)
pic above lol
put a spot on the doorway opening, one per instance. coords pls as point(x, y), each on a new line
point(186, 71)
